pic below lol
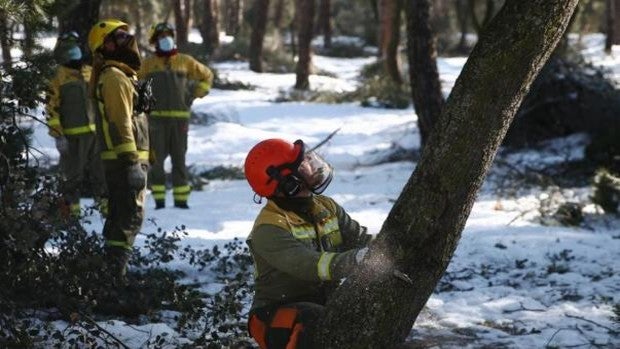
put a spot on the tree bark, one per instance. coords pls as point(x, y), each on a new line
point(392, 64)
point(488, 14)
point(261, 8)
point(305, 18)
point(181, 21)
point(375, 309)
point(278, 14)
point(325, 22)
point(423, 74)
point(209, 30)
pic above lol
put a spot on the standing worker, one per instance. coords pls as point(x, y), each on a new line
point(302, 243)
point(71, 118)
point(123, 137)
point(176, 80)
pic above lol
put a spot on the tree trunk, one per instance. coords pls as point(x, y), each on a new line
point(261, 8)
point(181, 21)
point(209, 30)
point(304, 16)
point(610, 13)
point(278, 14)
point(423, 74)
point(462, 17)
point(325, 22)
point(5, 39)
point(232, 17)
point(386, 11)
point(392, 64)
point(80, 19)
point(616, 22)
point(374, 308)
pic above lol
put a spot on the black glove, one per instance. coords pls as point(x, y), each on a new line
point(136, 176)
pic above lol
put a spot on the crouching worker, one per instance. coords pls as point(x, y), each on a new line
point(302, 243)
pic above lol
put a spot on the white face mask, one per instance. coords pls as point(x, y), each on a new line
point(166, 44)
point(74, 54)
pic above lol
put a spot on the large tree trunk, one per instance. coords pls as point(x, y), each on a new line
point(423, 74)
point(261, 7)
point(325, 22)
point(304, 16)
point(391, 60)
point(209, 29)
point(375, 309)
point(80, 19)
point(181, 21)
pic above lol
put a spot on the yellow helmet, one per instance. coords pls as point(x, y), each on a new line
point(101, 29)
point(158, 28)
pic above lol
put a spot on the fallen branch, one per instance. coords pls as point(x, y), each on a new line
point(611, 330)
point(325, 140)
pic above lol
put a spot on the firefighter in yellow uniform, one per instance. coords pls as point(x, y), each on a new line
point(302, 243)
point(123, 136)
point(71, 118)
point(176, 80)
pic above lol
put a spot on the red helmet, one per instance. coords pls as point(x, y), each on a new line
point(271, 161)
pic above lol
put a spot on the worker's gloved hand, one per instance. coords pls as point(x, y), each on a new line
point(62, 145)
point(136, 176)
point(361, 253)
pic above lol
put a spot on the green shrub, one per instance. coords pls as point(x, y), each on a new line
point(606, 191)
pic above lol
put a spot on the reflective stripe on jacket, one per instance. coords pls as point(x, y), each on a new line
point(295, 258)
point(69, 107)
point(122, 132)
point(177, 80)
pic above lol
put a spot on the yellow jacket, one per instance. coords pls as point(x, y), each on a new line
point(177, 80)
point(124, 132)
point(69, 107)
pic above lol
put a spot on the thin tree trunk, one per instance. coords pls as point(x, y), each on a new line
point(616, 22)
point(423, 73)
point(181, 21)
point(261, 8)
point(462, 17)
point(610, 13)
point(278, 14)
point(392, 63)
point(232, 16)
point(5, 39)
point(209, 30)
point(304, 16)
point(386, 11)
point(325, 22)
point(376, 306)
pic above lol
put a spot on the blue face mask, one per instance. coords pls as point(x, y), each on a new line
point(74, 54)
point(166, 44)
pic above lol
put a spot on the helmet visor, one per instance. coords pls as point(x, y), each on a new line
point(315, 172)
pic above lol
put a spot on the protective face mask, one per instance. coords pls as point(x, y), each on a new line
point(166, 44)
point(74, 54)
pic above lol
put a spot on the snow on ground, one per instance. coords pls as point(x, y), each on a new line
point(512, 283)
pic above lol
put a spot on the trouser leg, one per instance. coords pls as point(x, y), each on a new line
point(158, 138)
point(124, 220)
point(73, 165)
point(178, 149)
